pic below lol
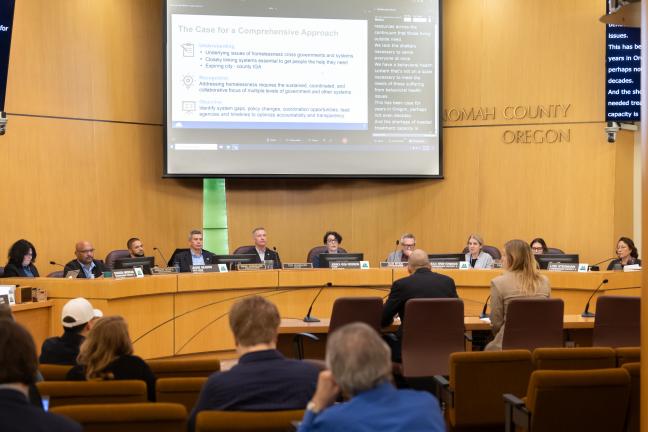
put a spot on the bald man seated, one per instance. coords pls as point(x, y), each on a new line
point(88, 267)
point(422, 282)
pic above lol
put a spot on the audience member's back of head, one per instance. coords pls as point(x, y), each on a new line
point(107, 340)
point(417, 260)
point(254, 320)
point(18, 363)
point(5, 311)
point(358, 358)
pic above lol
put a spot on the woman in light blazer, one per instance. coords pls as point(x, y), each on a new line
point(476, 257)
point(521, 278)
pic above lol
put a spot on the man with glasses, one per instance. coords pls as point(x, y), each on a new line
point(85, 264)
point(407, 245)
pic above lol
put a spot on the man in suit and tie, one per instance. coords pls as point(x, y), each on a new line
point(421, 283)
point(260, 250)
point(196, 255)
point(85, 264)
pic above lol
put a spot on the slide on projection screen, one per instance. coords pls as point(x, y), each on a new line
point(303, 88)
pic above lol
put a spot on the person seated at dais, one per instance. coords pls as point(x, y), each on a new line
point(22, 256)
point(87, 266)
point(476, 256)
point(332, 240)
point(407, 244)
point(627, 254)
point(538, 246)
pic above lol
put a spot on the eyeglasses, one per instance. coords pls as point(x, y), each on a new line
point(537, 249)
point(86, 251)
point(331, 241)
point(409, 246)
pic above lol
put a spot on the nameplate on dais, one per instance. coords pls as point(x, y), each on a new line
point(124, 274)
point(208, 268)
point(444, 264)
point(562, 267)
point(397, 264)
point(251, 266)
point(297, 266)
point(344, 265)
point(163, 270)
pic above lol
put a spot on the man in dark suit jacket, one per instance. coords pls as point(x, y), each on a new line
point(260, 251)
point(263, 379)
point(196, 255)
point(88, 267)
point(421, 283)
point(19, 366)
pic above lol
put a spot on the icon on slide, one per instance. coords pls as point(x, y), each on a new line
point(188, 106)
point(187, 49)
point(187, 80)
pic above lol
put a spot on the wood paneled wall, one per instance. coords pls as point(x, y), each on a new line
point(576, 194)
point(83, 154)
point(82, 157)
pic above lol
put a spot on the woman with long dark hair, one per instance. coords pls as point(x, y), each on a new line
point(22, 256)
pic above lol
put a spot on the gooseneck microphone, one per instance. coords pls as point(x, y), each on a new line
point(483, 313)
point(587, 313)
point(278, 263)
point(595, 267)
point(396, 249)
point(308, 317)
point(164, 260)
point(56, 264)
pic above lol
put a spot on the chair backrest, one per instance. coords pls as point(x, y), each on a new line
point(114, 256)
point(184, 391)
point(92, 392)
point(267, 421)
point(578, 400)
point(627, 355)
point(551, 250)
point(171, 368)
point(319, 250)
point(479, 379)
point(54, 372)
point(434, 329)
point(493, 251)
point(1, 271)
point(356, 309)
point(533, 323)
point(243, 250)
point(141, 417)
point(632, 417)
point(617, 322)
point(574, 358)
point(56, 274)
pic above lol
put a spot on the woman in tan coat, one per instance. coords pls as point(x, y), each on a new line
point(520, 279)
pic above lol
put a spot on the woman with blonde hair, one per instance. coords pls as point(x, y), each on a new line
point(520, 279)
point(475, 256)
point(107, 354)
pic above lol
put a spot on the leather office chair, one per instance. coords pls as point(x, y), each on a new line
point(1, 272)
point(617, 322)
point(171, 368)
point(231, 421)
point(183, 391)
point(356, 309)
point(114, 256)
point(54, 372)
point(92, 392)
point(551, 250)
point(490, 250)
point(573, 358)
point(582, 400)
point(627, 355)
point(634, 408)
point(141, 417)
point(534, 323)
point(320, 250)
point(473, 393)
point(56, 274)
point(433, 329)
point(244, 250)
point(345, 311)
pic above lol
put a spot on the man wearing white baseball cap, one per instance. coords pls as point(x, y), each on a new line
point(77, 318)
